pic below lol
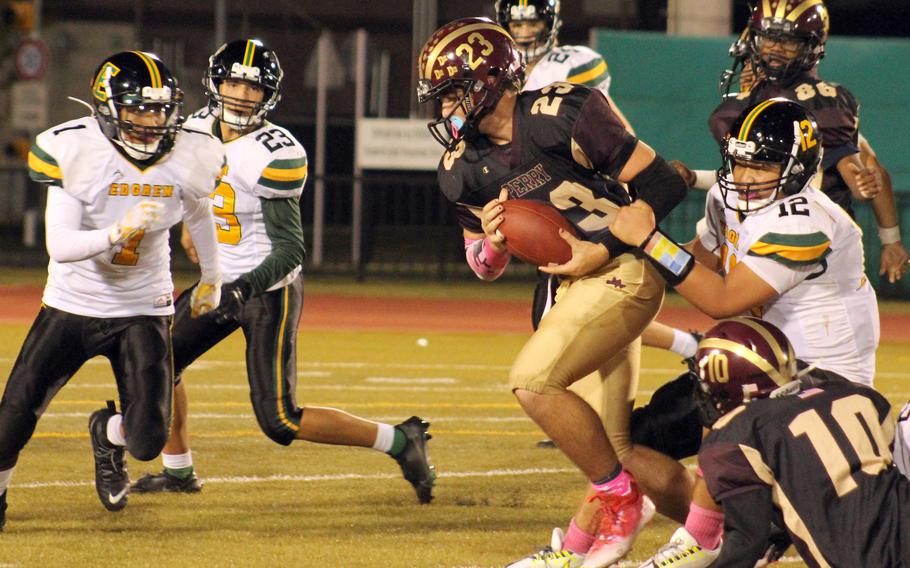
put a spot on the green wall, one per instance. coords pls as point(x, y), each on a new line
point(667, 86)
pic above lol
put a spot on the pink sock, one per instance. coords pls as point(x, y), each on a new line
point(705, 526)
point(619, 485)
point(577, 541)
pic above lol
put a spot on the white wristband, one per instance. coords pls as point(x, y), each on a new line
point(890, 235)
point(704, 179)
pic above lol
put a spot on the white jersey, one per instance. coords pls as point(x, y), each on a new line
point(267, 163)
point(811, 252)
point(572, 63)
point(902, 441)
point(133, 278)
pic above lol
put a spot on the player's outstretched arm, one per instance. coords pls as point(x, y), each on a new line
point(893, 259)
point(717, 296)
point(200, 222)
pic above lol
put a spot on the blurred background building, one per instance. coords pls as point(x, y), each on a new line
point(363, 221)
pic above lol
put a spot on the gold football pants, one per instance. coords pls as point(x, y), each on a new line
point(594, 327)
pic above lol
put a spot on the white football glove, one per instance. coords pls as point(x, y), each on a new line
point(205, 298)
point(139, 218)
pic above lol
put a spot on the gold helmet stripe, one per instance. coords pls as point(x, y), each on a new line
point(781, 9)
point(444, 42)
point(769, 339)
point(798, 11)
point(154, 73)
point(248, 54)
point(747, 124)
point(745, 353)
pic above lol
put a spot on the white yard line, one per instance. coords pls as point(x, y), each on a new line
point(316, 478)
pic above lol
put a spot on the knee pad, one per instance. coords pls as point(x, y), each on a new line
point(147, 446)
point(669, 423)
point(280, 427)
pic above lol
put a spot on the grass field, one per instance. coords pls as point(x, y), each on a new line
point(497, 496)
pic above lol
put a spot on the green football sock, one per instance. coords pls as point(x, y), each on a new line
point(180, 472)
point(398, 444)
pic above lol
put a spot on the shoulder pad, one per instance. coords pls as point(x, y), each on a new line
point(199, 157)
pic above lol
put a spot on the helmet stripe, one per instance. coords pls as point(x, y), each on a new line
point(154, 73)
point(769, 339)
point(444, 42)
point(781, 9)
point(747, 124)
point(798, 11)
point(248, 54)
point(766, 7)
point(745, 353)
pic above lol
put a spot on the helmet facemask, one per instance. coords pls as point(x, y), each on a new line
point(749, 197)
point(546, 12)
point(224, 66)
point(779, 68)
point(142, 141)
point(473, 97)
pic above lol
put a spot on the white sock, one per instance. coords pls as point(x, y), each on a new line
point(114, 432)
point(5, 476)
point(177, 461)
point(385, 435)
point(684, 343)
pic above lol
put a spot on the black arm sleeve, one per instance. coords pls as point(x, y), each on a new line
point(747, 525)
point(282, 225)
point(660, 186)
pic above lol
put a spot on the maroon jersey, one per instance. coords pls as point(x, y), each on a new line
point(835, 110)
point(567, 144)
point(824, 454)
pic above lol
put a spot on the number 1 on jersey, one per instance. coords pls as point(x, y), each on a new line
point(128, 255)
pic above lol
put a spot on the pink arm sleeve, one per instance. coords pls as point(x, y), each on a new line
point(483, 259)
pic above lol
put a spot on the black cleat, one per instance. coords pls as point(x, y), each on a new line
point(112, 481)
point(546, 444)
point(414, 461)
point(164, 482)
point(2, 511)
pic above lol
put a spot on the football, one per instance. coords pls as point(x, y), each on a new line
point(531, 229)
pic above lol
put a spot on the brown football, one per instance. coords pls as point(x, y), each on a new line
point(531, 229)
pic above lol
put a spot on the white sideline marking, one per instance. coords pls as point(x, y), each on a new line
point(413, 380)
point(636, 563)
point(390, 419)
point(312, 478)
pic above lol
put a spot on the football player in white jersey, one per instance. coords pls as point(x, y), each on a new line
point(785, 251)
point(117, 181)
point(260, 244)
point(902, 441)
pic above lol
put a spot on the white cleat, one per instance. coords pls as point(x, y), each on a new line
point(552, 556)
point(682, 552)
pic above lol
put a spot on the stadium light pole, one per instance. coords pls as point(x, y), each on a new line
point(360, 103)
point(220, 23)
point(423, 24)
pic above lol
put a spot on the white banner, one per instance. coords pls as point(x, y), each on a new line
point(396, 144)
point(28, 107)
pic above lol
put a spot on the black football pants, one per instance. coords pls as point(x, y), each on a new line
point(269, 323)
point(58, 343)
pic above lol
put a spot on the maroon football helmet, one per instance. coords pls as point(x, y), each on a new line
point(475, 56)
point(738, 360)
point(801, 23)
